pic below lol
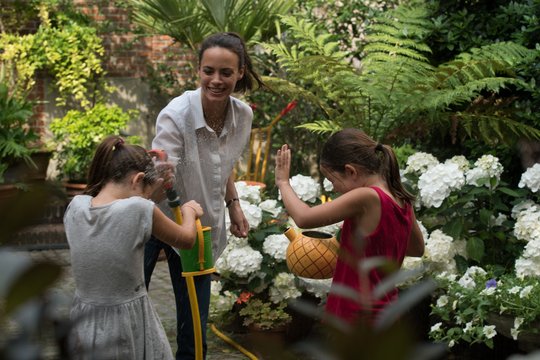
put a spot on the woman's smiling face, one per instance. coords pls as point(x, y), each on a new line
point(219, 71)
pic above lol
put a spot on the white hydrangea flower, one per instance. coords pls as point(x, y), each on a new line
point(283, 288)
point(318, 287)
point(523, 206)
point(271, 206)
point(527, 226)
point(438, 182)
point(220, 304)
point(276, 246)
point(305, 187)
point(440, 247)
point(327, 185)
point(461, 161)
point(489, 331)
point(249, 193)
point(253, 213)
point(486, 167)
point(215, 287)
point(241, 261)
point(531, 178)
point(412, 263)
point(499, 220)
point(419, 162)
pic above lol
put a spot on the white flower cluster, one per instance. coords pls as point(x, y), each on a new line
point(271, 206)
point(527, 228)
point(241, 261)
point(250, 193)
point(318, 287)
point(467, 281)
point(220, 304)
point(438, 182)
point(440, 251)
point(531, 178)
point(461, 162)
point(327, 185)
point(276, 246)
point(486, 167)
point(283, 288)
point(252, 212)
point(419, 162)
point(305, 187)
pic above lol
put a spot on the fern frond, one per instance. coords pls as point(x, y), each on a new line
point(496, 128)
point(321, 127)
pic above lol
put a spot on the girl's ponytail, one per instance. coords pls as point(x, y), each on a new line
point(390, 172)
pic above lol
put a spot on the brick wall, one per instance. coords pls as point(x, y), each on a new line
point(128, 54)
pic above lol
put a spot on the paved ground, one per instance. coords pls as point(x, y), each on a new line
point(162, 297)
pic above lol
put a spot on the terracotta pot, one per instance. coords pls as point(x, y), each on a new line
point(312, 254)
point(255, 183)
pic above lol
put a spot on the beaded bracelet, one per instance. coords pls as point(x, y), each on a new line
point(229, 202)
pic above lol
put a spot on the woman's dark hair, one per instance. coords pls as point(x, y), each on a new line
point(114, 160)
point(353, 146)
point(234, 42)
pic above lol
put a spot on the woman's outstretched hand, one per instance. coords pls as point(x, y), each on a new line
point(283, 164)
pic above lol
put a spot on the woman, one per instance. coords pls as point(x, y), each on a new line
point(204, 133)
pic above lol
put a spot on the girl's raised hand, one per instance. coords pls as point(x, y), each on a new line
point(283, 164)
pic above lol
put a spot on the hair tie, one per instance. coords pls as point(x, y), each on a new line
point(379, 147)
point(119, 142)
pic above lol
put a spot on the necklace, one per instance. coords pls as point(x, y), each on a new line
point(215, 120)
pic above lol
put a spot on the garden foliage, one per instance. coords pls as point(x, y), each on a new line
point(397, 93)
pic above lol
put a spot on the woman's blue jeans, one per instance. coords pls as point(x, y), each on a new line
point(184, 322)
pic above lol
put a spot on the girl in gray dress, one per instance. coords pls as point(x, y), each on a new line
point(107, 229)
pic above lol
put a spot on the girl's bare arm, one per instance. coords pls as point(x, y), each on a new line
point(178, 236)
point(416, 241)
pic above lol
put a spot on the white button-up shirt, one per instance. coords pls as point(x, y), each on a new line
point(203, 160)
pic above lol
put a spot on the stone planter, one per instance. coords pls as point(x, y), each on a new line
point(527, 340)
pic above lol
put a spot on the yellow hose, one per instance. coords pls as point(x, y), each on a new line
point(194, 304)
point(233, 343)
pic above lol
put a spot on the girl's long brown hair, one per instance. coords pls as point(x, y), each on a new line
point(114, 161)
point(353, 146)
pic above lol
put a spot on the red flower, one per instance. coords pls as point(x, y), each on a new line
point(289, 107)
point(244, 297)
point(253, 106)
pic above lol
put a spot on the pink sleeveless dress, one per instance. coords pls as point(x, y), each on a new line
point(390, 240)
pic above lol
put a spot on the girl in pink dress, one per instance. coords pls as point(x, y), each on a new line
point(378, 218)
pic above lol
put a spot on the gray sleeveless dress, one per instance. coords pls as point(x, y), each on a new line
point(114, 317)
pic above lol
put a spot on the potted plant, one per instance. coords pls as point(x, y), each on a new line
point(481, 238)
point(16, 136)
point(76, 135)
point(255, 284)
